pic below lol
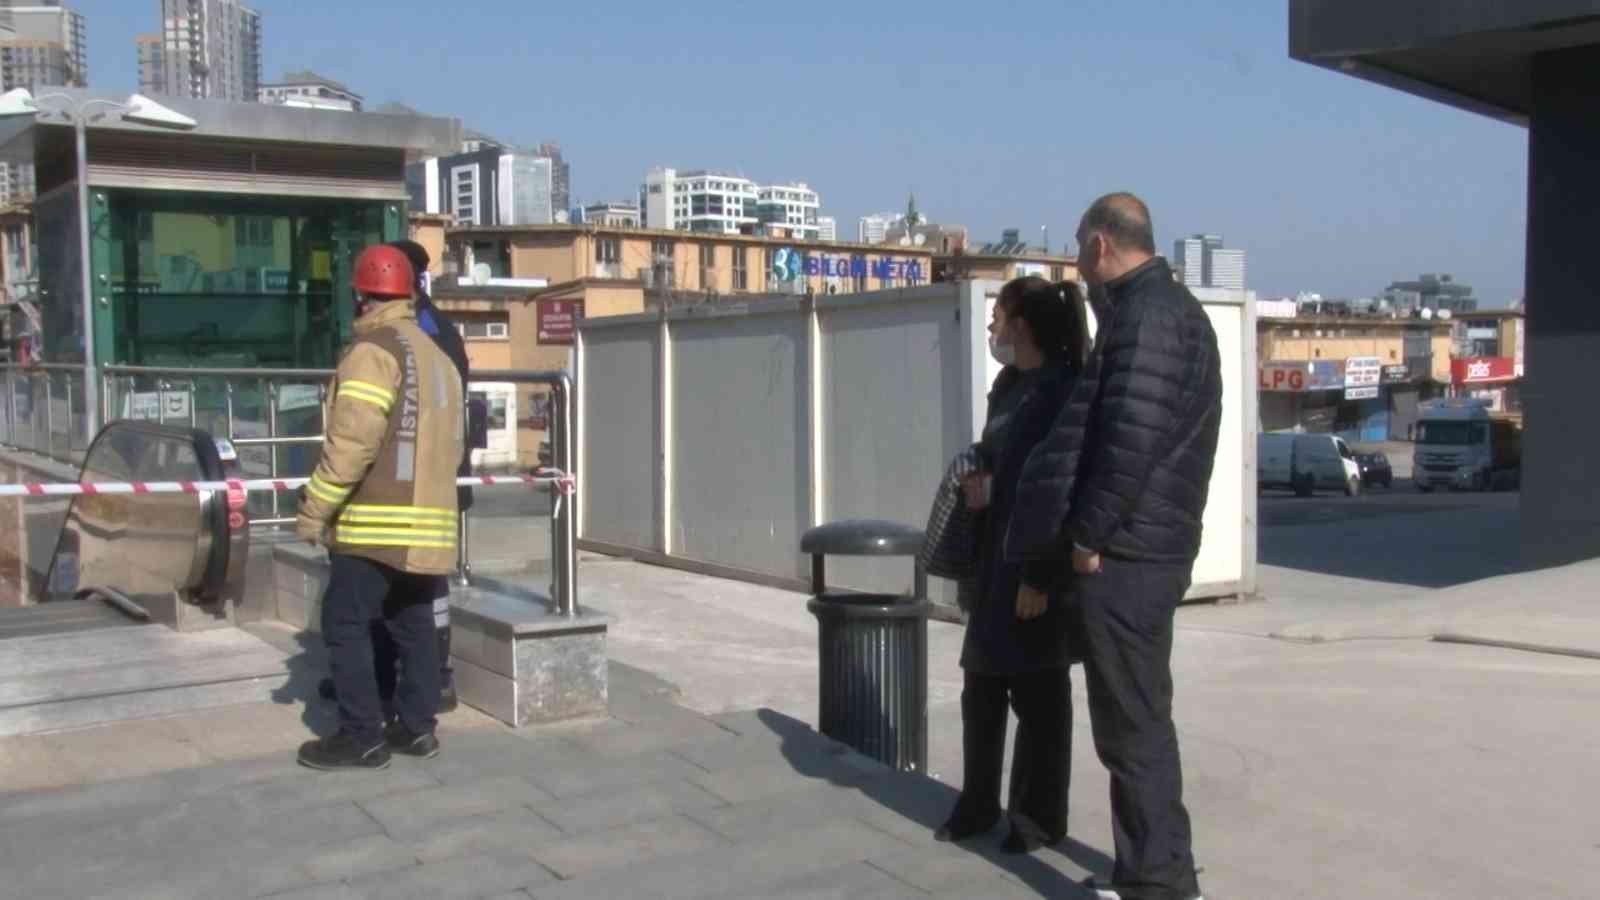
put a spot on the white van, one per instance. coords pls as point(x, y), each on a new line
point(1305, 463)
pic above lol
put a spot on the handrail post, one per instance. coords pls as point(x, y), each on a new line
point(272, 431)
point(463, 554)
point(563, 522)
point(49, 416)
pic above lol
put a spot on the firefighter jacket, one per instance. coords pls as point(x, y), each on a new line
point(385, 486)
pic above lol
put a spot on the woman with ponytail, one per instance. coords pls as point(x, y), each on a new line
point(1017, 651)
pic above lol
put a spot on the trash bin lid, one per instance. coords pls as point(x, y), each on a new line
point(862, 537)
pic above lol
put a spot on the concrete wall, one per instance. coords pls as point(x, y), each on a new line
point(714, 437)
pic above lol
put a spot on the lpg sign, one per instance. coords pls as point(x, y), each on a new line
point(1282, 377)
point(1294, 377)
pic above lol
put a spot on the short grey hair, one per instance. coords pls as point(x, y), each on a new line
point(1124, 220)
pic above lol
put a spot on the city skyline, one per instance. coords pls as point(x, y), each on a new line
point(1325, 184)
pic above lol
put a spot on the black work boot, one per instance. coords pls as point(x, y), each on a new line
point(401, 740)
point(343, 751)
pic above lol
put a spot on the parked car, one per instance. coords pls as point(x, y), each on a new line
point(1375, 469)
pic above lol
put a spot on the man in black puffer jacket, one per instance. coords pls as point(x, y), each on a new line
point(1120, 484)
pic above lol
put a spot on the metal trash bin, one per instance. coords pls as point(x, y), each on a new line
point(872, 649)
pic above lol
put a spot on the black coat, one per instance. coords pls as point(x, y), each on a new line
point(996, 642)
point(432, 320)
point(1127, 464)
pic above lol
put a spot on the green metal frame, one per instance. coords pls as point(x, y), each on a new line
point(353, 223)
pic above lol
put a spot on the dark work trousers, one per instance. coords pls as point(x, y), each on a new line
point(1124, 617)
point(385, 659)
point(1042, 763)
point(360, 593)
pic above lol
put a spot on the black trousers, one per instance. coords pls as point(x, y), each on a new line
point(362, 593)
point(1124, 619)
point(385, 658)
point(1041, 767)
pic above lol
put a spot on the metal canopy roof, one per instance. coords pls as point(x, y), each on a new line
point(1473, 54)
point(416, 136)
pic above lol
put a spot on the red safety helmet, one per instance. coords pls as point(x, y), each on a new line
point(382, 271)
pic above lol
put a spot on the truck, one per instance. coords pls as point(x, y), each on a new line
point(1304, 463)
point(1462, 445)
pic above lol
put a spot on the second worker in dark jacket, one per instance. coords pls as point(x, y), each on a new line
point(1016, 650)
point(1119, 487)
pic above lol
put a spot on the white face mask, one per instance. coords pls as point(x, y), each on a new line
point(1003, 353)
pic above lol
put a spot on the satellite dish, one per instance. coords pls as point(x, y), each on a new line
point(481, 273)
point(1444, 314)
point(1427, 313)
point(920, 239)
point(905, 240)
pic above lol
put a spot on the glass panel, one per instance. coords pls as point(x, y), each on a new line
point(236, 283)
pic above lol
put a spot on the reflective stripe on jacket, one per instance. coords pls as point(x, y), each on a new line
point(384, 487)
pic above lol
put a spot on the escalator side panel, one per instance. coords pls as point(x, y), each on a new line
point(173, 554)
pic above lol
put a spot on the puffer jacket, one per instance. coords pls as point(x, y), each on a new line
point(1127, 464)
point(384, 487)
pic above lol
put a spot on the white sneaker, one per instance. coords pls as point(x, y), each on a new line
point(1104, 892)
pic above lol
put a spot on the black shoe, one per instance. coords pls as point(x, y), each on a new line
point(447, 698)
point(1018, 842)
point(343, 752)
point(959, 827)
point(401, 740)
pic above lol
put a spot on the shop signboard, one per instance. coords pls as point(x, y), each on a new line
point(1362, 371)
point(1482, 369)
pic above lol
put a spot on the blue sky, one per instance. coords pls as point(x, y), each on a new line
point(1000, 114)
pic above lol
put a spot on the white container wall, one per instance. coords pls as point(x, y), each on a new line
point(712, 437)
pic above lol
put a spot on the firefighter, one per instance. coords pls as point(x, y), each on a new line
point(436, 325)
point(383, 501)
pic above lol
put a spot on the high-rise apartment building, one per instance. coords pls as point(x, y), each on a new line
point(560, 175)
point(709, 201)
point(53, 40)
point(42, 44)
point(1227, 269)
point(874, 229)
point(491, 185)
point(827, 228)
point(790, 207)
point(1206, 263)
point(210, 49)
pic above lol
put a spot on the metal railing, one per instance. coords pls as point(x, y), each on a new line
point(24, 418)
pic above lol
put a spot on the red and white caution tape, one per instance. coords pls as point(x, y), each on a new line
point(560, 480)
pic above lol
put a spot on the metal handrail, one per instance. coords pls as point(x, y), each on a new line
point(563, 531)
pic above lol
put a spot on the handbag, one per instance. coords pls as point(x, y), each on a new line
point(950, 544)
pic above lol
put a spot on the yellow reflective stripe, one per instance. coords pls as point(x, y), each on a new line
point(381, 400)
point(403, 513)
point(344, 529)
point(358, 385)
point(324, 491)
point(394, 542)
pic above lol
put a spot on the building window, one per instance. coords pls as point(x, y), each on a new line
point(708, 267)
point(741, 278)
point(464, 194)
point(662, 250)
point(483, 329)
point(607, 250)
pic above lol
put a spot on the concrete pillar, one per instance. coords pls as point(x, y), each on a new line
point(1561, 465)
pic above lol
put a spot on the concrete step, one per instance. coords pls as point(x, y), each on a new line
point(81, 679)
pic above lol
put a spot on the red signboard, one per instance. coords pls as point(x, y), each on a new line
point(1483, 369)
point(558, 321)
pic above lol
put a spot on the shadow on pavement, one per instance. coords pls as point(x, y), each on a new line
point(306, 669)
point(1398, 537)
point(925, 803)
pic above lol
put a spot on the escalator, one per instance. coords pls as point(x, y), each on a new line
point(175, 559)
point(94, 649)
